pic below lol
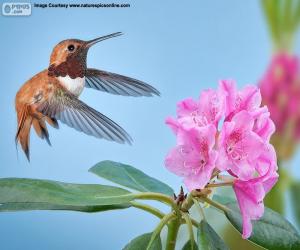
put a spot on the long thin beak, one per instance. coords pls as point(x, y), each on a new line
point(102, 38)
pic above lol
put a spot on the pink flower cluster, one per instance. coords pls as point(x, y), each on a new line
point(280, 89)
point(238, 145)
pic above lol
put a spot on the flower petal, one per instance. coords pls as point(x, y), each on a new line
point(249, 197)
point(228, 88)
point(181, 160)
point(186, 107)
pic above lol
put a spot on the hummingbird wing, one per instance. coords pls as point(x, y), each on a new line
point(117, 84)
point(67, 108)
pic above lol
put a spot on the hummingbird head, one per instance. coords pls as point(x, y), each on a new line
point(69, 56)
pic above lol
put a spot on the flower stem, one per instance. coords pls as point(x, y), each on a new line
point(194, 223)
point(148, 208)
point(173, 228)
point(189, 226)
point(214, 204)
point(215, 174)
point(158, 197)
point(270, 14)
point(188, 202)
point(200, 209)
point(159, 227)
point(221, 184)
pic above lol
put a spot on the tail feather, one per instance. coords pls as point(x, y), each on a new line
point(23, 133)
point(41, 129)
point(52, 121)
point(25, 121)
point(21, 120)
point(37, 128)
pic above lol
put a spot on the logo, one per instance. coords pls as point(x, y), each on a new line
point(16, 9)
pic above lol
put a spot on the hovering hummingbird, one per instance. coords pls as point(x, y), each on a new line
point(52, 95)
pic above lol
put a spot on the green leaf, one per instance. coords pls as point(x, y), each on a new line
point(30, 194)
point(223, 199)
point(270, 14)
point(208, 239)
point(20, 206)
point(233, 239)
point(275, 198)
point(272, 231)
point(295, 193)
point(188, 246)
point(130, 177)
point(142, 241)
point(296, 22)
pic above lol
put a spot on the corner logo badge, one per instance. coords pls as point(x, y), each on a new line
point(16, 9)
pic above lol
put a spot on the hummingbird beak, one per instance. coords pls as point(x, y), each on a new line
point(102, 38)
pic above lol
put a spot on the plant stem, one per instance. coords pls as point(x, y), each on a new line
point(221, 184)
point(187, 204)
point(200, 209)
point(148, 208)
point(214, 204)
point(269, 12)
point(160, 226)
point(215, 174)
point(189, 226)
point(195, 223)
point(158, 197)
point(173, 228)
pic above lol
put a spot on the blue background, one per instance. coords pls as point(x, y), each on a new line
point(178, 47)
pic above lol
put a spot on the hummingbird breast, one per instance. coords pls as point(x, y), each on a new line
point(75, 86)
point(70, 74)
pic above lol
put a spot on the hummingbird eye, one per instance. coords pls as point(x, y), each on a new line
point(71, 47)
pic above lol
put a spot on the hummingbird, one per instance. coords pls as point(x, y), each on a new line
point(53, 95)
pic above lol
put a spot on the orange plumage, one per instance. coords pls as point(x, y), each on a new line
point(52, 95)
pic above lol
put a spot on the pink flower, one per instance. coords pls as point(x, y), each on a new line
point(248, 99)
point(280, 88)
point(242, 146)
point(209, 109)
point(194, 157)
point(263, 125)
point(250, 194)
point(238, 146)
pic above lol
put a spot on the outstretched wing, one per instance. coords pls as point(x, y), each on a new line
point(117, 84)
point(65, 107)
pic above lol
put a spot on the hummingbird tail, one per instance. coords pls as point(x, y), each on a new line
point(41, 129)
point(23, 133)
point(52, 121)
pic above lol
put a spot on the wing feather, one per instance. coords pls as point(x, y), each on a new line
point(117, 84)
point(70, 110)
